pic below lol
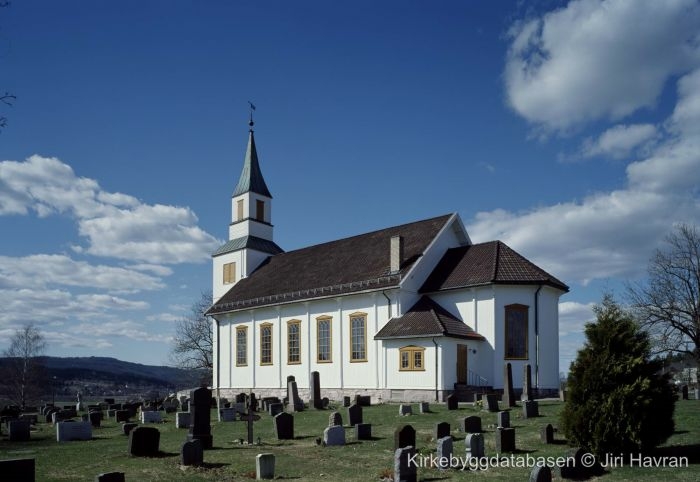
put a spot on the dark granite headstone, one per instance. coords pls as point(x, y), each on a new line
point(111, 477)
point(684, 392)
point(128, 427)
point(363, 431)
point(541, 473)
point(354, 414)
point(144, 442)
point(577, 469)
point(452, 402)
point(442, 430)
point(505, 440)
point(491, 402)
point(547, 434)
point(503, 419)
point(346, 401)
point(191, 453)
point(108, 401)
point(20, 470)
point(471, 424)
point(95, 418)
point(284, 426)
point(274, 408)
point(508, 391)
point(18, 430)
point(404, 436)
point(200, 420)
point(530, 409)
point(295, 403)
point(404, 470)
point(363, 400)
point(122, 415)
point(335, 419)
point(315, 391)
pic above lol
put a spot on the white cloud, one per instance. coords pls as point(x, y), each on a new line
point(573, 316)
point(597, 59)
point(619, 141)
point(41, 270)
point(114, 224)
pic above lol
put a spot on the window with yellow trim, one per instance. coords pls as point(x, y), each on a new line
point(293, 342)
point(242, 346)
point(323, 339)
point(266, 344)
point(411, 358)
point(358, 337)
point(229, 273)
point(516, 330)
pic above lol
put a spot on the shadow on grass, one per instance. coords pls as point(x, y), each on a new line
point(680, 432)
point(559, 442)
point(211, 465)
point(435, 478)
point(691, 452)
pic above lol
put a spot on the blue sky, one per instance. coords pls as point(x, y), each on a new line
point(569, 130)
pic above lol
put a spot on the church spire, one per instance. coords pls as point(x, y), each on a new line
point(251, 179)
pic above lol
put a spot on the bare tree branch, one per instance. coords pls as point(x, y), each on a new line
point(24, 374)
point(194, 338)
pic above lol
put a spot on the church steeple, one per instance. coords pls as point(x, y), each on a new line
point(251, 179)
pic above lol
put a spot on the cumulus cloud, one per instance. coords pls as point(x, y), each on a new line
point(598, 59)
point(114, 224)
point(619, 141)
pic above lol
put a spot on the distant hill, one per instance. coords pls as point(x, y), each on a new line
point(94, 372)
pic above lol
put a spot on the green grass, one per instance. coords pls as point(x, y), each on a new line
point(301, 459)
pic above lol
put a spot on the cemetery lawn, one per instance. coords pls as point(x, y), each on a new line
point(301, 459)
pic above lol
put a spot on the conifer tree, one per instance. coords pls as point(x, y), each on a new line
point(618, 400)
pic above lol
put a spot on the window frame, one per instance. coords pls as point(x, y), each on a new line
point(240, 210)
point(525, 311)
point(242, 330)
point(260, 210)
point(230, 269)
point(319, 321)
point(351, 317)
point(265, 326)
point(297, 324)
point(411, 351)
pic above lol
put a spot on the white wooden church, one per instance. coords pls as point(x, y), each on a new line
point(409, 312)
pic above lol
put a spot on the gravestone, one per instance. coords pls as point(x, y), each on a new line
point(404, 436)
point(405, 410)
point(530, 409)
point(363, 400)
point(354, 414)
point(18, 470)
point(491, 402)
point(541, 473)
point(346, 401)
point(191, 453)
point(441, 430)
point(325, 401)
point(424, 407)
point(577, 469)
point(684, 392)
point(95, 418)
point(264, 466)
point(315, 391)
point(61, 415)
point(295, 403)
point(527, 383)
point(151, 417)
point(274, 408)
point(18, 430)
point(228, 414)
point(128, 427)
point(471, 424)
point(122, 415)
point(697, 394)
point(290, 378)
point(200, 418)
point(562, 394)
point(69, 431)
point(474, 444)
point(505, 440)
point(508, 391)
point(108, 401)
point(335, 419)
point(403, 470)
point(451, 402)
point(144, 442)
point(503, 419)
point(182, 420)
point(49, 415)
point(363, 431)
point(444, 452)
point(238, 408)
point(334, 436)
point(284, 426)
point(111, 477)
point(547, 434)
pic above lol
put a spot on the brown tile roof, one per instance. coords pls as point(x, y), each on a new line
point(486, 263)
point(426, 318)
point(339, 267)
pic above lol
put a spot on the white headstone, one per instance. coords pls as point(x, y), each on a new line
point(67, 431)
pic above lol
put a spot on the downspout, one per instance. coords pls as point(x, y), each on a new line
point(388, 305)
point(436, 370)
point(537, 339)
point(218, 390)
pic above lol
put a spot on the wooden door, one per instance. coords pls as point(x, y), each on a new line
point(462, 364)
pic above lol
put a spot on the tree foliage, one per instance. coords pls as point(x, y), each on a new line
point(668, 304)
point(194, 338)
point(24, 375)
point(618, 401)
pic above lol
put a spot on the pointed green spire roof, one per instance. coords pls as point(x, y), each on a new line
point(251, 179)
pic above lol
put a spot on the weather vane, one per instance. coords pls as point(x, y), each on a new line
point(252, 108)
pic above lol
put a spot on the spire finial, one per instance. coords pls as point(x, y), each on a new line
point(250, 122)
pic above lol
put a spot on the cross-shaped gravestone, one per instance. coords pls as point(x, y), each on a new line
point(249, 418)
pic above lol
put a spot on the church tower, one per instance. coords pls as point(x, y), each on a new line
point(250, 232)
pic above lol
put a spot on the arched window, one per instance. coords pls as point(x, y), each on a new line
point(242, 346)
